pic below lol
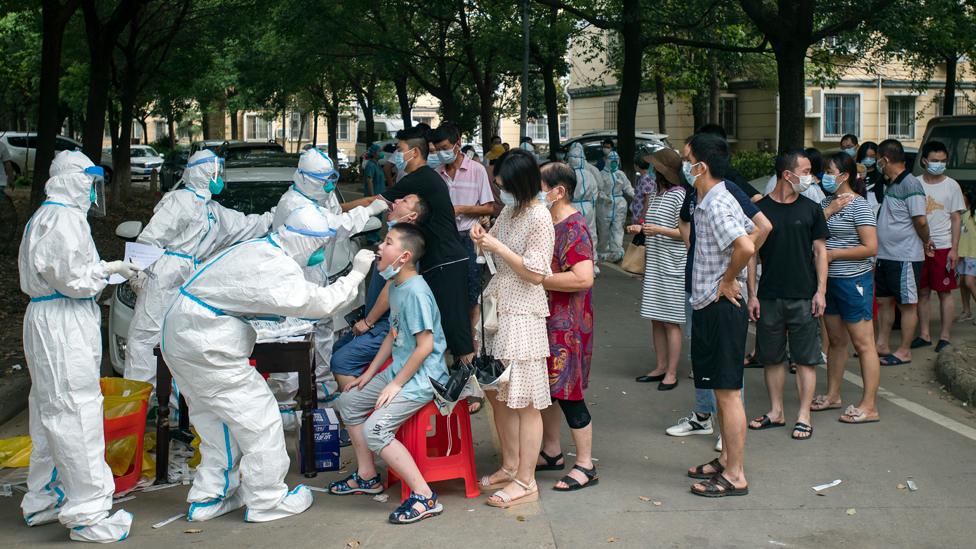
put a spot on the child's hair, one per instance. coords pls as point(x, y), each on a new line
point(411, 239)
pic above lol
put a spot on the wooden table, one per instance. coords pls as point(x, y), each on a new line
point(271, 358)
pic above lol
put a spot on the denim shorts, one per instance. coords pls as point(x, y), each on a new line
point(852, 298)
point(966, 266)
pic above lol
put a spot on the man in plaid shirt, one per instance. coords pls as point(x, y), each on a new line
point(725, 240)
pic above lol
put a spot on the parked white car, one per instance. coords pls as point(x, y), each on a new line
point(23, 151)
point(249, 189)
point(143, 160)
point(341, 159)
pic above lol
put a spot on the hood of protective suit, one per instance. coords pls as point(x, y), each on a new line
point(312, 162)
point(305, 231)
point(201, 167)
point(612, 158)
point(68, 183)
point(575, 156)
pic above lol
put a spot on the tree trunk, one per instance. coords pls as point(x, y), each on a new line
point(403, 97)
point(54, 17)
point(365, 100)
point(233, 126)
point(205, 121)
point(332, 124)
point(949, 95)
point(661, 100)
point(630, 83)
point(792, 87)
point(145, 131)
point(113, 130)
point(315, 128)
point(699, 110)
point(713, 88)
point(171, 129)
point(552, 109)
point(121, 149)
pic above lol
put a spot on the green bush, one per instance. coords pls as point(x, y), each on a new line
point(754, 164)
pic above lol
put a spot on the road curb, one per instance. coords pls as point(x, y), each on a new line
point(14, 388)
point(954, 371)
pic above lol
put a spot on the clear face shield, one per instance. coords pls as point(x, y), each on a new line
point(99, 206)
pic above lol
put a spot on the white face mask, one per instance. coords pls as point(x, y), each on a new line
point(803, 184)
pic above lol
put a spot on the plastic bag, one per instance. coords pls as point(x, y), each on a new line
point(15, 452)
point(123, 396)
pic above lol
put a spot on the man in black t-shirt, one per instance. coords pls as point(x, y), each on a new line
point(791, 291)
point(444, 265)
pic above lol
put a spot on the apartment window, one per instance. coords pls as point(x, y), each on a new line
point(298, 126)
point(255, 128)
point(901, 117)
point(610, 115)
point(424, 120)
point(962, 106)
point(563, 126)
point(343, 129)
point(727, 115)
point(159, 129)
point(842, 114)
point(538, 129)
point(136, 130)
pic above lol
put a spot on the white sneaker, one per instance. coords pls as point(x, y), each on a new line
point(691, 425)
point(108, 530)
point(718, 444)
point(213, 508)
point(297, 501)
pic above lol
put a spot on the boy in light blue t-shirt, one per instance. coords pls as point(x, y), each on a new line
point(416, 342)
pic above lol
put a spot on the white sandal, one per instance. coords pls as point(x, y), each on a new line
point(486, 485)
point(531, 494)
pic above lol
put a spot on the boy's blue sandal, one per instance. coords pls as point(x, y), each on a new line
point(363, 486)
point(406, 513)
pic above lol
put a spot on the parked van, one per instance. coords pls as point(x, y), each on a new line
point(958, 133)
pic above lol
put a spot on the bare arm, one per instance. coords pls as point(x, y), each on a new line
point(868, 235)
point(762, 229)
point(578, 278)
point(425, 346)
point(819, 303)
point(475, 211)
point(922, 228)
point(685, 229)
point(381, 306)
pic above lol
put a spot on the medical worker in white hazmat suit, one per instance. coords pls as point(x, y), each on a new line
point(612, 209)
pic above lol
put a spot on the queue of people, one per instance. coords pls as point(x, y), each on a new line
point(718, 255)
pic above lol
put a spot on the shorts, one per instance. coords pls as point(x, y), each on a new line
point(351, 354)
point(966, 266)
point(356, 407)
point(449, 284)
point(474, 270)
point(852, 297)
point(718, 344)
point(898, 279)
point(783, 321)
point(935, 275)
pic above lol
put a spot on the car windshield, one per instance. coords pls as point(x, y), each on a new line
point(144, 153)
point(260, 151)
point(252, 197)
point(961, 142)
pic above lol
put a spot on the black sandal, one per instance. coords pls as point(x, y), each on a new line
point(803, 428)
point(718, 487)
point(572, 484)
point(551, 463)
point(764, 423)
point(700, 473)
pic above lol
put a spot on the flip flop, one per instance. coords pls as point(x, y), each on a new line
point(892, 360)
point(765, 423)
point(857, 416)
point(820, 403)
point(943, 343)
point(919, 342)
point(803, 428)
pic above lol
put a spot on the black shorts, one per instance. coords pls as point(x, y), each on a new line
point(474, 270)
point(449, 284)
point(898, 279)
point(718, 345)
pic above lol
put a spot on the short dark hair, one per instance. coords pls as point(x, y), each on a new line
point(845, 164)
point(713, 129)
point(389, 147)
point(422, 209)
point(411, 239)
point(520, 176)
point(416, 138)
point(862, 151)
point(713, 151)
point(892, 150)
point(850, 136)
point(467, 148)
point(934, 146)
point(525, 139)
point(816, 160)
point(641, 163)
point(608, 141)
point(494, 137)
point(787, 160)
point(559, 174)
point(446, 131)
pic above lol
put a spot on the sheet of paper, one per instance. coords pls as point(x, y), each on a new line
point(142, 255)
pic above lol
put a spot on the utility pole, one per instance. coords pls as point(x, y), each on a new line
point(525, 69)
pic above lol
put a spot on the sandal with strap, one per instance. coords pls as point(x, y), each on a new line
point(506, 501)
point(363, 486)
point(551, 462)
point(406, 513)
point(700, 473)
point(572, 484)
point(718, 487)
point(801, 427)
point(485, 484)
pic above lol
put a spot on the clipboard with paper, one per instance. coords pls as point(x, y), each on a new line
point(142, 255)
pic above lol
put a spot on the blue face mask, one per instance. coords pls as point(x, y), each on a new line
point(399, 161)
point(508, 198)
point(447, 157)
point(852, 151)
point(216, 185)
point(390, 271)
point(829, 183)
point(317, 258)
point(867, 161)
point(935, 168)
point(686, 171)
point(614, 166)
point(434, 161)
point(329, 186)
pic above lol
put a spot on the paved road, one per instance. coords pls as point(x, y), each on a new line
point(638, 460)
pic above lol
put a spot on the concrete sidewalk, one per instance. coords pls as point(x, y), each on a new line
point(638, 461)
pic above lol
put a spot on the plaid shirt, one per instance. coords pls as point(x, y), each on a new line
point(718, 222)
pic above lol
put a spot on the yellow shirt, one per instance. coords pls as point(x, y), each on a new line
point(967, 239)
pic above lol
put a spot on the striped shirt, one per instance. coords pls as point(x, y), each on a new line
point(469, 187)
point(897, 239)
point(719, 221)
point(843, 234)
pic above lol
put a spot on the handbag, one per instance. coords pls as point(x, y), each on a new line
point(489, 314)
point(634, 258)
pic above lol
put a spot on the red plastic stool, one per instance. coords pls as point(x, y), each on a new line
point(431, 452)
point(125, 426)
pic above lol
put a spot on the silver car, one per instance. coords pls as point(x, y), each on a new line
point(249, 189)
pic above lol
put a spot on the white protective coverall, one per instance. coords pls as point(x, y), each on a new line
point(206, 342)
point(587, 187)
point(61, 271)
point(314, 184)
point(612, 209)
point(191, 227)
